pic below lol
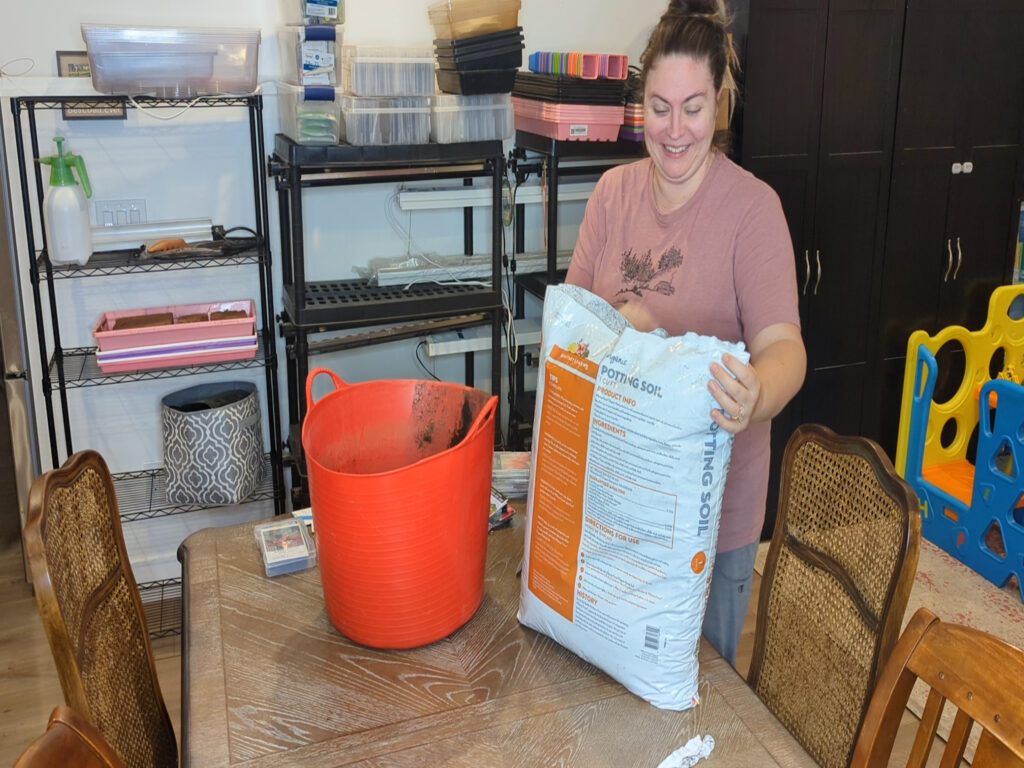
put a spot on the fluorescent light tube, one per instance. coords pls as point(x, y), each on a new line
point(124, 235)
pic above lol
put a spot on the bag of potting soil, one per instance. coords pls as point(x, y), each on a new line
point(627, 474)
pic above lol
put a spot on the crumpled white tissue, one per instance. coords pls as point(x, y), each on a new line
point(690, 752)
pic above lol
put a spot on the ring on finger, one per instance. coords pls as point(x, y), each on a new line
point(739, 414)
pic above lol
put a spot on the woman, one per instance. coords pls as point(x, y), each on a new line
point(686, 240)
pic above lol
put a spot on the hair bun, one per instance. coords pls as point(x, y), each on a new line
point(712, 10)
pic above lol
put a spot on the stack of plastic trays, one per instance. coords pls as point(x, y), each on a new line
point(632, 123)
point(309, 100)
point(568, 122)
point(480, 64)
point(569, 90)
point(589, 66)
point(388, 94)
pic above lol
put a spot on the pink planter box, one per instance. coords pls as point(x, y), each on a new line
point(108, 339)
point(174, 355)
point(573, 122)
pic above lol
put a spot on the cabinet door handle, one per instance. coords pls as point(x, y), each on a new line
point(959, 259)
point(949, 259)
point(817, 259)
point(807, 270)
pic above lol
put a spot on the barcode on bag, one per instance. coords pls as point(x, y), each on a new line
point(652, 637)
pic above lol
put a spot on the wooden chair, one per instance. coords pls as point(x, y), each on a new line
point(835, 587)
point(69, 740)
point(92, 612)
point(975, 672)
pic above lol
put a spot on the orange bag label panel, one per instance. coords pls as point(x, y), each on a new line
point(559, 477)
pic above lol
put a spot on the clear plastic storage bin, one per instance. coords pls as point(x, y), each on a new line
point(311, 54)
point(372, 70)
point(310, 114)
point(483, 117)
point(391, 120)
point(171, 62)
point(456, 19)
point(316, 11)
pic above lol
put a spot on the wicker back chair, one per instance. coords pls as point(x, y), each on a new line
point(92, 612)
point(972, 670)
point(839, 571)
point(70, 740)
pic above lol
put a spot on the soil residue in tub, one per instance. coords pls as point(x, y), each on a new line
point(429, 406)
point(465, 421)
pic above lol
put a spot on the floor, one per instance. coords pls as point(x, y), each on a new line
point(28, 679)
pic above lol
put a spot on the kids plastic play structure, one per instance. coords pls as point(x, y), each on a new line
point(972, 509)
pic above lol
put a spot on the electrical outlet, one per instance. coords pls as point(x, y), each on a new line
point(116, 213)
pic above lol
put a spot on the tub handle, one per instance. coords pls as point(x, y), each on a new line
point(481, 418)
point(339, 383)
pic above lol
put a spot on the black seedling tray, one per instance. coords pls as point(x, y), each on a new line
point(476, 81)
point(492, 59)
point(489, 42)
point(496, 50)
point(569, 90)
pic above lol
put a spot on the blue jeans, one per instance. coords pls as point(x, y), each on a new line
point(728, 599)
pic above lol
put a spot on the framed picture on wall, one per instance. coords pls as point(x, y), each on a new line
point(76, 64)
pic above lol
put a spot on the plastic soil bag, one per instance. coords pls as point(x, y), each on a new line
point(627, 475)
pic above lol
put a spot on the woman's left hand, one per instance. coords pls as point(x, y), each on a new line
point(737, 389)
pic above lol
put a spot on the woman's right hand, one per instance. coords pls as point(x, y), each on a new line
point(638, 315)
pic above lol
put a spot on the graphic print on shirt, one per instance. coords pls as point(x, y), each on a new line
point(639, 273)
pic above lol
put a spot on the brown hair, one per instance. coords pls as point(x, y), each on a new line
point(697, 28)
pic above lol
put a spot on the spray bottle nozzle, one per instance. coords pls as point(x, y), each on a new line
point(61, 166)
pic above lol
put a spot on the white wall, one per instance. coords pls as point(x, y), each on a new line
point(197, 165)
point(35, 31)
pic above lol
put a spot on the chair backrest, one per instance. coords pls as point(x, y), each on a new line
point(92, 612)
point(840, 567)
point(972, 670)
point(69, 740)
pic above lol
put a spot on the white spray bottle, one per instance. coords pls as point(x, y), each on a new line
point(65, 212)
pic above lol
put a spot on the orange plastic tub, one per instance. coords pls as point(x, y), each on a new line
point(399, 480)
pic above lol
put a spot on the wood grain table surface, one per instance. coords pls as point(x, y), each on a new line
point(268, 681)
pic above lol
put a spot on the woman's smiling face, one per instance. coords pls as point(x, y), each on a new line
point(680, 106)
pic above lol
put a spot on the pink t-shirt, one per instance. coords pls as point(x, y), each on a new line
point(721, 265)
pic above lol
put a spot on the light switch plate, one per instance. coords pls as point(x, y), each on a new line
point(115, 213)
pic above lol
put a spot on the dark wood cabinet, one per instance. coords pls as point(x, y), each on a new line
point(820, 98)
point(956, 181)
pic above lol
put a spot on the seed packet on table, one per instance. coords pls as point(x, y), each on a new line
point(285, 546)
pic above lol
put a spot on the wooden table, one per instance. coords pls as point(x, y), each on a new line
point(268, 681)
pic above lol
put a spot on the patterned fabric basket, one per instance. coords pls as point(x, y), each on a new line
point(213, 443)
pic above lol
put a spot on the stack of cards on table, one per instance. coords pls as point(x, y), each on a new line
point(286, 546)
point(510, 473)
point(500, 513)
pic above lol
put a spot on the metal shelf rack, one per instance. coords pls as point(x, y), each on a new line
point(141, 494)
point(337, 305)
